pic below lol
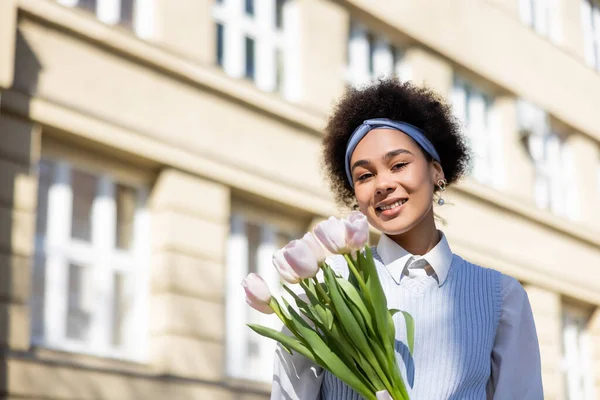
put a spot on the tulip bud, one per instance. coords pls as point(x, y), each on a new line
point(332, 234)
point(283, 268)
point(301, 258)
point(357, 230)
point(383, 395)
point(258, 295)
point(315, 246)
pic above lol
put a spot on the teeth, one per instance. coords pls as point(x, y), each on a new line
point(396, 204)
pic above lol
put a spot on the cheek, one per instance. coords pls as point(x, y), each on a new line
point(363, 197)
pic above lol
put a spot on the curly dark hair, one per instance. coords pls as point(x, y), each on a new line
point(390, 98)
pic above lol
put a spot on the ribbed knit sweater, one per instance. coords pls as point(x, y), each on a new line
point(455, 327)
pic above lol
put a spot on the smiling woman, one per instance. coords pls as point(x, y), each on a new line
point(388, 149)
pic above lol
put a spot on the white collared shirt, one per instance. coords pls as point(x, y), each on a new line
point(515, 359)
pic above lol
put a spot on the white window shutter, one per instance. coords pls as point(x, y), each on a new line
point(555, 174)
point(269, 273)
point(401, 66)
point(292, 84)
point(541, 16)
point(496, 149)
point(236, 308)
point(60, 200)
point(109, 11)
point(477, 127)
point(265, 47)
point(459, 101)
point(233, 41)
point(143, 19)
point(358, 55)
point(554, 20)
point(588, 31)
point(596, 33)
point(526, 11)
point(68, 3)
point(570, 187)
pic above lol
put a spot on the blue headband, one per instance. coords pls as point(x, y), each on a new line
point(383, 123)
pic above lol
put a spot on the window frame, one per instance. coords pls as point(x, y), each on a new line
point(238, 313)
point(577, 366)
point(372, 55)
point(109, 12)
point(486, 140)
point(269, 39)
point(100, 257)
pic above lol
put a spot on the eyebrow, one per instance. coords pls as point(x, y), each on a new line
point(386, 157)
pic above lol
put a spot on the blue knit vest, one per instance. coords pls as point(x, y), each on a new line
point(455, 328)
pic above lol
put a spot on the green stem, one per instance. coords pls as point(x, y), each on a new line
point(321, 291)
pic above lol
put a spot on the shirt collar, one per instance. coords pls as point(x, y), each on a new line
point(395, 257)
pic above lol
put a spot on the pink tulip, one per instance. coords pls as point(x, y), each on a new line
point(300, 257)
point(258, 295)
point(283, 267)
point(357, 230)
point(383, 395)
point(315, 246)
point(332, 234)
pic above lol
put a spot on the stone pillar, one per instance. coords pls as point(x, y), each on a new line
point(426, 68)
point(190, 218)
point(19, 153)
point(547, 312)
point(323, 60)
point(187, 27)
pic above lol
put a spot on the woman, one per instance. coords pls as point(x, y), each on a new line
point(391, 149)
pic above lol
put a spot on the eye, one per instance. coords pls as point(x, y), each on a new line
point(399, 166)
point(364, 176)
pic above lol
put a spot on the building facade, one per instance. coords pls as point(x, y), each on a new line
point(153, 152)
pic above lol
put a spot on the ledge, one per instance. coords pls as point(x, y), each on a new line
point(120, 41)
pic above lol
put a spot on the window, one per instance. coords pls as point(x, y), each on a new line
point(254, 237)
point(134, 14)
point(89, 279)
point(590, 21)
point(555, 184)
point(258, 40)
point(371, 57)
point(475, 109)
point(577, 351)
point(543, 16)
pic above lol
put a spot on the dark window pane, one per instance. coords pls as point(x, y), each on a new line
point(126, 204)
point(127, 10)
point(279, 13)
point(279, 71)
point(45, 174)
point(250, 58)
point(220, 38)
point(371, 40)
point(89, 5)
point(249, 7)
point(78, 317)
point(118, 309)
point(84, 190)
point(253, 233)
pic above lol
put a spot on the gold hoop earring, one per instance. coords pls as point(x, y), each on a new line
point(441, 185)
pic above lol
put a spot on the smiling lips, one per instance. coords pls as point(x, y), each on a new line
point(391, 206)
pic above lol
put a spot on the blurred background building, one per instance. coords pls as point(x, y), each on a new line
point(153, 152)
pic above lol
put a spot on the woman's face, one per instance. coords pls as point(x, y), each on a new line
point(393, 181)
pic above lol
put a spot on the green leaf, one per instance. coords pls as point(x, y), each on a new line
point(327, 358)
point(356, 300)
point(410, 330)
point(379, 301)
point(287, 341)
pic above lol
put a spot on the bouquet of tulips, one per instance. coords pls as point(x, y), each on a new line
point(341, 324)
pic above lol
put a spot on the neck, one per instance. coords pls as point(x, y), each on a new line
point(421, 238)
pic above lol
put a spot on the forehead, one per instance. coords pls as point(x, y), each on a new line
point(379, 141)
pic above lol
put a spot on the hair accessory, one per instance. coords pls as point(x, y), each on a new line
point(384, 123)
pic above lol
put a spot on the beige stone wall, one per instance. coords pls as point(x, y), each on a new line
point(19, 149)
point(190, 219)
point(8, 21)
point(546, 306)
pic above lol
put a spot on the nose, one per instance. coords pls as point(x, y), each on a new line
point(385, 184)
